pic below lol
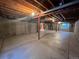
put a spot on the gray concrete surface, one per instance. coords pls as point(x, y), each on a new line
point(52, 45)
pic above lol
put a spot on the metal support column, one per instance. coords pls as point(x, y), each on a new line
point(38, 28)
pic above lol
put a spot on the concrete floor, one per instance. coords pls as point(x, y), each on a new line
point(52, 45)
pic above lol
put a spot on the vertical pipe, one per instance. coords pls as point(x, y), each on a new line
point(38, 28)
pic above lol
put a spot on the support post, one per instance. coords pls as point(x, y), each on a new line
point(38, 28)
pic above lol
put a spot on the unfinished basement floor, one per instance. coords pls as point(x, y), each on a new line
point(52, 45)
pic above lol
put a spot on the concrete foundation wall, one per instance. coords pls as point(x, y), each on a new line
point(17, 28)
point(76, 29)
point(20, 28)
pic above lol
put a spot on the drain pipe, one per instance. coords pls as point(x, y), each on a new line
point(61, 7)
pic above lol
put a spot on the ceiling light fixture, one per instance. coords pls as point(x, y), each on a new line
point(33, 14)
